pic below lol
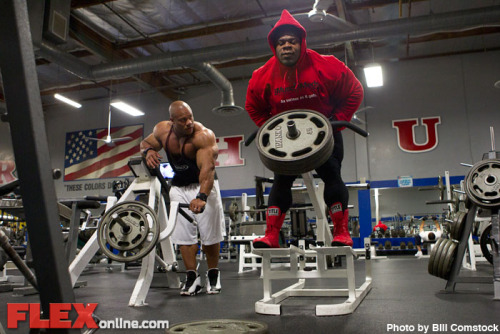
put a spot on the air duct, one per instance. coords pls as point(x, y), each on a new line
point(127, 67)
point(227, 106)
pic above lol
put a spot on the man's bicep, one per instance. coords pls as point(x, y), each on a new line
point(152, 141)
point(205, 157)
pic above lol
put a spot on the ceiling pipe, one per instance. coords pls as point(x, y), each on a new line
point(227, 106)
point(124, 68)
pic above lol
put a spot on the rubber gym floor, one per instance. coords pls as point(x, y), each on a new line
point(404, 298)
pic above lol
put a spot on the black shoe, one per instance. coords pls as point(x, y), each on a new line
point(213, 281)
point(192, 285)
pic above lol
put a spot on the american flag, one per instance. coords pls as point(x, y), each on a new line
point(89, 159)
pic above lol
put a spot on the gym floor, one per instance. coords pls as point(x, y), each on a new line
point(403, 294)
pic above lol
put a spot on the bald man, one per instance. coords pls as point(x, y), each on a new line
point(191, 150)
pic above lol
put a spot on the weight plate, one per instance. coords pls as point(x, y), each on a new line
point(432, 256)
point(442, 259)
point(221, 326)
point(138, 228)
point(233, 211)
point(449, 257)
point(439, 256)
point(128, 244)
point(458, 225)
point(295, 142)
point(482, 183)
point(485, 243)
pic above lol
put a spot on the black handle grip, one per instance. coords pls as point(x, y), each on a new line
point(358, 130)
point(97, 198)
point(251, 138)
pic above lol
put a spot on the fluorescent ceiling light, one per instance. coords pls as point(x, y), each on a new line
point(127, 108)
point(373, 75)
point(68, 101)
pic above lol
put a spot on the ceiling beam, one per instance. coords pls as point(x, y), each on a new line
point(375, 3)
point(192, 33)
point(104, 48)
point(75, 4)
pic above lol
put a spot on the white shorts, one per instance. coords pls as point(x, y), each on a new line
point(210, 222)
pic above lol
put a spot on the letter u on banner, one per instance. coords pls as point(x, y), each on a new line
point(406, 134)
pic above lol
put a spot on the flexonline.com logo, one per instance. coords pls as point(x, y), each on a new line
point(59, 317)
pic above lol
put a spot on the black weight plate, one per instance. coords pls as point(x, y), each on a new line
point(450, 257)
point(432, 257)
point(485, 243)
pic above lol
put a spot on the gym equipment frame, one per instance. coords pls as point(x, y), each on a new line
point(144, 183)
point(270, 304)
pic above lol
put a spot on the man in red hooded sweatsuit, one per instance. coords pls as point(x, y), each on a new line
point(300, 78)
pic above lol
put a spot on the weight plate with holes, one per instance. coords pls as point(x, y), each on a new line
point(458, 225)
point(135, 239)
point(449, 257)
point(482, 183)
point(485, 243)
point(295, 142)
point(442, 259)
point(433, 256)
point(233, 211)
point(220, 326)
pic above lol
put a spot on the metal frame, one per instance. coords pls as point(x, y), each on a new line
point(143, 183)
point(29, 139)
point(270, 304)
point(463, 243)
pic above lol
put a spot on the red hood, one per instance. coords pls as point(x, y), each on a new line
point(287, 19)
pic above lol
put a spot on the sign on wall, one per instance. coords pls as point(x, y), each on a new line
point(405, 181)
point(7, 168)
point(230, 151)
point(86, 159)
point(405, 129)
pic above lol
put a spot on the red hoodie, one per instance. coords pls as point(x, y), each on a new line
point(317, 82)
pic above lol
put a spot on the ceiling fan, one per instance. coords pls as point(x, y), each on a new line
point(108, 140)
point(356, 118)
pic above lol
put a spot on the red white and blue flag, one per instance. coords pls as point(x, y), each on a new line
point(86, 159)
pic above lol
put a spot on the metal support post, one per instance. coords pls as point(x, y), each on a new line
point(29, 140)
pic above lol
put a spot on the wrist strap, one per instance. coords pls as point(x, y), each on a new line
point(145, 152)
point(202, 196)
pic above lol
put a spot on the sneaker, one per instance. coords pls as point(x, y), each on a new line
point(192, 285)
point(419, 254)
point(213, 281)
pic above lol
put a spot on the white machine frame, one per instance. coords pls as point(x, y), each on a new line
point(297, 269)
point(144, 182)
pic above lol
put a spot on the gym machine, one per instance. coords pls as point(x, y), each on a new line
point(133, 226)
point(295, 143)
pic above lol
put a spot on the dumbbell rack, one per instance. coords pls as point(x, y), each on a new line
point(297, 269)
